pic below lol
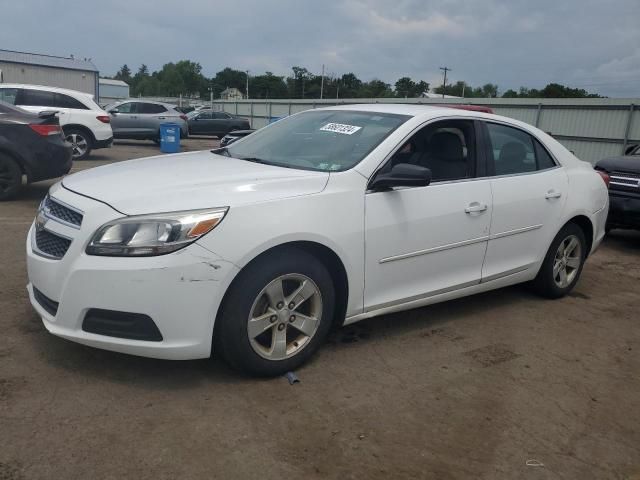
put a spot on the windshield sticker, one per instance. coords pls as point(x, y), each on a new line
point(340, 128)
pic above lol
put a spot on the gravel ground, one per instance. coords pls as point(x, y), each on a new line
point(472, 388)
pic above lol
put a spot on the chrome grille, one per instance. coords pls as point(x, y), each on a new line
point(55, 209)
point(51, 244)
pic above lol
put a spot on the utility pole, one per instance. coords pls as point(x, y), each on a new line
point(322, 82)
point(444, 83)
point(247, 90)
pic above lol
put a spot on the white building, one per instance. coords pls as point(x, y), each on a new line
point(113, 91)
point(48, 70)
point(231, 94)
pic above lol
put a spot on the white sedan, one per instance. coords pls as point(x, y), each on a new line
point(326, 217)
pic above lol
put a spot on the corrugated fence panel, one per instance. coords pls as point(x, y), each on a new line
point(524, 114)
point(584, 123)
point(634, 131)
point(591, 151)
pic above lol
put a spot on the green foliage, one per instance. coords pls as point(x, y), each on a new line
point(185, 78)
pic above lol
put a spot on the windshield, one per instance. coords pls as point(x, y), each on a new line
point(324, 140)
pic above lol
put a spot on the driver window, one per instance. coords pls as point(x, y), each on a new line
point(446, 148)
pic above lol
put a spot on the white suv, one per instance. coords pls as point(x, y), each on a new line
point(86, 126)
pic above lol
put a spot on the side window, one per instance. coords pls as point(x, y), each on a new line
point(447, 148)
point(515, 151)
point(65, 101)
point(127, 107)
point(543, 159)
point(636, 151)
point(150, 108)
point(38, 98)
point(8, 95)
point(205, 116)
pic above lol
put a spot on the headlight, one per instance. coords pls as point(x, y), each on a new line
point(147, 235)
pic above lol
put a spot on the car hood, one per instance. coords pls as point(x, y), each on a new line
point(625, 164)
point(189, 181)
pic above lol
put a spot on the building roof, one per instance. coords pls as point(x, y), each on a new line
point(109, 81)
point(47, 61)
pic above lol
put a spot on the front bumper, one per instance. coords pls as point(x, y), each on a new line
point(624, 211)
point(180, 292)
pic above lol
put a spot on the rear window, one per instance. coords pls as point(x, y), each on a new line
point(37, 98)
point(150, 108)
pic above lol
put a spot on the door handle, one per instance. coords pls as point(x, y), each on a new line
point(162, 118)
point(552, 194)
point(475, 207)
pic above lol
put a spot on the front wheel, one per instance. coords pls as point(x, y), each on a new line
point(276, 313)
point(80, 143)
point(563, 263)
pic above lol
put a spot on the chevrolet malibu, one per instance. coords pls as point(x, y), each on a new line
point(327, 217)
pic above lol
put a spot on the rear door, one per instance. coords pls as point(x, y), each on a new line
point(529, 191)
point(150, 117)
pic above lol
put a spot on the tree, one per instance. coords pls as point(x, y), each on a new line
point(405, 87)
point(268, 86)
point(376, 89)
point(229, 78)
point(124, 74)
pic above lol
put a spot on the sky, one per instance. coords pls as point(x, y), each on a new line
point(588, 44)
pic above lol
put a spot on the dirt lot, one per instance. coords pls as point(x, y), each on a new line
point(473, 388)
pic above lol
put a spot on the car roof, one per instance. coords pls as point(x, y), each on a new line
point(47, 88)
point(140, 100)
point(427, 112)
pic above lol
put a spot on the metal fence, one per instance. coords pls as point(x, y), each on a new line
point(592, 128)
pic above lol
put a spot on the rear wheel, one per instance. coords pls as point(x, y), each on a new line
point(10, 177)
point(563, 263)
point(80, 141)
point(276, 313)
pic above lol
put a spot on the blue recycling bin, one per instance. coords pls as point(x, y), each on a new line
point(170, 138)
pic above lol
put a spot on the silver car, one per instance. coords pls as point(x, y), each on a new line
point(141, 119)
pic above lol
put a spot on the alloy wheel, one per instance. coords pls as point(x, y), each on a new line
point(284, 317)
point(78, 143)
point(567, 261)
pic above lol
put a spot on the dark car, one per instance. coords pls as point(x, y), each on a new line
point(231, 137)
point(624, 188)
point(215, 123)
point(31, 145)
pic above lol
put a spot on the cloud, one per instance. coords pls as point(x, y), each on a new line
point(509, 42)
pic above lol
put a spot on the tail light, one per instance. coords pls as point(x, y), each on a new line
point(184, 117)
point(46, 130)
point(104, 118)
point(605, 177)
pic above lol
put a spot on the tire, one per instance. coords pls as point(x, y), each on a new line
point(81, 142)
point(564, 258)
point(255, 353)
point(10, 177)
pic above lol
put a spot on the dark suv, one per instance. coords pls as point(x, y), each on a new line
point(624, 188)
point(31, 145)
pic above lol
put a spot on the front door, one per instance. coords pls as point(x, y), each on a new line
point(422, 241)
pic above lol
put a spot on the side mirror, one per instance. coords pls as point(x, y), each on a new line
point(402, 175)
point(113, 111)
